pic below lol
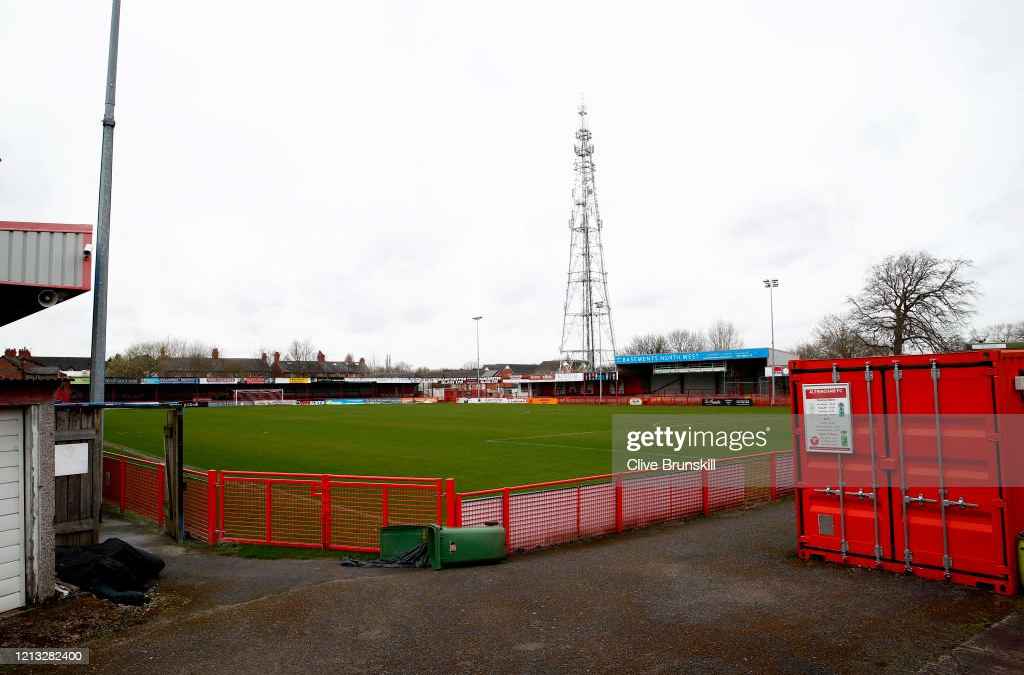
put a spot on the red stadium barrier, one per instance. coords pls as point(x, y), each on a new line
point(758, 400)
point(134, 485)
point(327, 511)
point(345, 512)
point(538, 515)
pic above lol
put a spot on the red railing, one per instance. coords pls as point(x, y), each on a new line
point(327, 511)
point(134, 485)
point(556, 512)
point(345, 512)
point(757, 400)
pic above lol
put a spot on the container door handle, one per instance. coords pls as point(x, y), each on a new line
point(959, 502)
point(829, 491)
point(919, 499)
point(860, 494)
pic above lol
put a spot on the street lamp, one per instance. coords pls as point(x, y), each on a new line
point(479, 384)
point(770, 284)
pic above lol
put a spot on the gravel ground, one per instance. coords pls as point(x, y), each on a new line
point(721, 594)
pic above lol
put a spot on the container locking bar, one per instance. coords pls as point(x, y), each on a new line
point(959, 502)
point(947, 560)
point(919, 499)
point(860, 494)
point(843, 544)
point(829, 490)
point(897, 376)
point(869, 378)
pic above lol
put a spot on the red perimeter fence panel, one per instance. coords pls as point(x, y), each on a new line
point(345, 512)
point(759, 400)
point(556, 512)
point(134, 485)
point(325, 511)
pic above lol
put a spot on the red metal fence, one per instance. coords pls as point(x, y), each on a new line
point(345, 512)
point(326, 511)
point(134, 485)
point(556, 512)
point(671, 399)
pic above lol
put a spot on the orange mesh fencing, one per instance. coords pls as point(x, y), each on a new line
point(545, 514)
point(197, 506)
point(134, 485)
point(325, 511)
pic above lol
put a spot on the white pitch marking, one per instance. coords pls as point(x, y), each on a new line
point(549, 445)
point(530, 438)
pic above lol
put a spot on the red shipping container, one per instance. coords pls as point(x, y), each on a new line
point(912, 463)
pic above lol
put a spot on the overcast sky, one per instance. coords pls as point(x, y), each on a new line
point(372, 175)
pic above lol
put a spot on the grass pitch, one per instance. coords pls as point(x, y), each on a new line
point(481, 446)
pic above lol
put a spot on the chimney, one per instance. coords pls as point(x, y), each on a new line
point(277, 358)
point(263, 357)
point(321, 357)
point(24, 353)
point(10, 353)
point(216, 353)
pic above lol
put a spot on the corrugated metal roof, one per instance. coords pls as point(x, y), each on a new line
point(45, 254)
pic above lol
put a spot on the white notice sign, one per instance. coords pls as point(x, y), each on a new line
point(827, 420)
point(70, 459)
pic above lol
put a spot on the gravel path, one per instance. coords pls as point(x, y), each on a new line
point(720, 594)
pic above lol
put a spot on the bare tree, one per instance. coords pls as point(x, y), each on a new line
point(133, 364)
point(683, 340)
point(300, 350)
point(724, 335)
point(650, 343)
point(1000, 332)
point(835, 337)
point(402, 367)
point(914, 301)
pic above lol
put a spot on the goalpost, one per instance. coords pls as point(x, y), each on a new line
point(259, 396)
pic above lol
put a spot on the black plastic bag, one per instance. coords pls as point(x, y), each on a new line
point(114, 570)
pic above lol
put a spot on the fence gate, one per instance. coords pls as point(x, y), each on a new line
point(325, 511)
point(77, 498)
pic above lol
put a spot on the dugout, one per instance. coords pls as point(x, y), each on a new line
point(733, 372)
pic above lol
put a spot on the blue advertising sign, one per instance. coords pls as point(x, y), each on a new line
point(725, 355)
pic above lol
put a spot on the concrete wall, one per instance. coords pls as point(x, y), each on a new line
point(39, 530)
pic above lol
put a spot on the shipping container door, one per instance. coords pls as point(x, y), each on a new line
point(948, 504)
point(844, 503)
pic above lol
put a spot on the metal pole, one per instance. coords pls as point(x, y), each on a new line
point(771, 314)
point(479, 384)
point(771, 284)
point(97, 368)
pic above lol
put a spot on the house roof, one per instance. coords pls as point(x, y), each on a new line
point(318, 367)
point(65, 363)
point(21, 366)
point(211, 365)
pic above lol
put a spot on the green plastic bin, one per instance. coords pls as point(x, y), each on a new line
point(396, 540)
point(446, 546)
point(454, 546)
